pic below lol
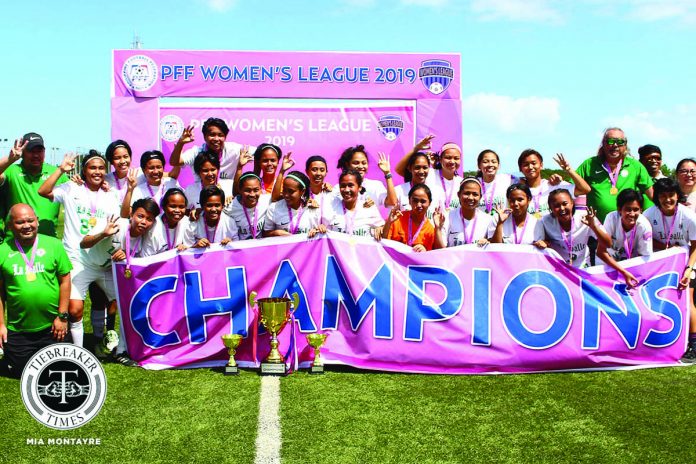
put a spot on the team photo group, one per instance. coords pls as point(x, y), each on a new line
point(617, 205)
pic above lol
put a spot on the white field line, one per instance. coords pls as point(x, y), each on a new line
point(268, 435)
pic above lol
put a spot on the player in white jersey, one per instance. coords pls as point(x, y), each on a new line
point(531, 163)
point(291, 215)
point(320, 192)
point(348, 214)
point(248, 210)
point(515, 225)
point(567, 231)
point(211, 226)
point(493, 183)
point(356, 158)
point(417, 169)
point(152, 165)
point(630, 232)
point(87, 209)
point(466, 224)
point(170, 227)
point(207, 169)
point(215, 132)
point(673, 224)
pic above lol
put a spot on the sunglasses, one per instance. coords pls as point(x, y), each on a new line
point(613, 141)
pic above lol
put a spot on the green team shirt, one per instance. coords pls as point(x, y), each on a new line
point(23, 187)
point(32, 305)
point(632, 175)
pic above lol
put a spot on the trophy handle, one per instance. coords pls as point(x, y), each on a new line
point(252, 299)
point(295, 301)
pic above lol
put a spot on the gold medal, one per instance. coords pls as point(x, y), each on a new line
point(31, 276)
point(614, 191)
point(537, 215)
point(92, 221)
point(127, 273)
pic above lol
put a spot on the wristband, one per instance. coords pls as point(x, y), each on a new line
point(63, 316)
point(387, 176)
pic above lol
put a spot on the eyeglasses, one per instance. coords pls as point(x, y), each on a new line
point(687, 172)
point(613, 141)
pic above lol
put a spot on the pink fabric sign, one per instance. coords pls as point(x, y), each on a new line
point(461, 310)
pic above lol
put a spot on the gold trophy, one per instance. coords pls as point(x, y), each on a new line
point(274, 313)
point(316, 341)
point(231, 342)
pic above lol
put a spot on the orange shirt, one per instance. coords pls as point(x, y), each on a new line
point(399, 232)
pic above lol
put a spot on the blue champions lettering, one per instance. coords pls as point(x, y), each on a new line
point(199, 308)
point(481, 329)
point(417, 311)
point(140, 308)
point(377, 294)
point(512, 318)
point(286, 283)
point(665, 308)
point(627, 322)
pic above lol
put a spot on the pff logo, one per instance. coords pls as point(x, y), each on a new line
point(171, 127)
point(139, 72)
point(63, 386)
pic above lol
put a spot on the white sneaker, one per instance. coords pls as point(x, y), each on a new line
point(110, 340)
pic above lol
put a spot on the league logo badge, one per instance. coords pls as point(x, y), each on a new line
point(139, 72)
point(63, 386)
point(436, 75)
point(390, 127)
point(171, 127)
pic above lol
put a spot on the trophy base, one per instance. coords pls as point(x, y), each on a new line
point(316, 370)
point(273, 369)
point(231, 370)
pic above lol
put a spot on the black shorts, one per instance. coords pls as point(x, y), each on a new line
point(21, 346)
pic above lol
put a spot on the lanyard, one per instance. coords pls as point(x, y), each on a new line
point(29, 262)
point(93, 200)
point(488, 199)
point(448, 196)
point(468, 238)
point(568, 238)
point(130, 252)
point(668, 236)
point(628, 243)
point(252, 226)
point(514, 229)
point(293, 226)
point(613, 176)
point(410, 237)
point(207, 235)
point(350, 223)
point(321, 206)
point(170, 242)
point(157, 197)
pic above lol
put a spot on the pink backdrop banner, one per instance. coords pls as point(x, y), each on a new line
point(462, 310)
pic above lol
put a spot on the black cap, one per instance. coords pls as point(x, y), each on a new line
point(33, 140)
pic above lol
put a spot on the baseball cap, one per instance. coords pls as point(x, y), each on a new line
point(33, 140)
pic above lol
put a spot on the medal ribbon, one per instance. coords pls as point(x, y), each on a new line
point(448, 196)
point(410, 237)
point(668, 237)
point(514, 230)
point(93, 200)
point(29, 262)
point(130, 252)
point(157, 197)
point(468, 238)
point(488, 198)
point(350, 224)
point(321, 206)
point(293, 226)
point(170, 243)
point(207, 235)
point(628, 244)
point(613, 178)
point(252, 226)
point(568, 238)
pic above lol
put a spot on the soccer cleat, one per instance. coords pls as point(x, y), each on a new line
point(100, 351)
point(126, 360)
point(110, 341)
point(690, 355)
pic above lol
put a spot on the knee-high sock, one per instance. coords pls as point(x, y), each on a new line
point(98, 320)
point(77, 332)
point(110, 321)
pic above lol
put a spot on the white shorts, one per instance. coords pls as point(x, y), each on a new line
point(81, 276)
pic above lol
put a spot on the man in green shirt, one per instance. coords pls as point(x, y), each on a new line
point(22, 181)
point(35, 285)
point(612, 171)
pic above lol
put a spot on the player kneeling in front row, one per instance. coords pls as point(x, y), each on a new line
point(35, 279)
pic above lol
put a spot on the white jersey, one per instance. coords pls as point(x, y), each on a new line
point(137, 244)
point(226, 228)
point(161, 238)
point(495, 193)
point(144, 190)
point(519, 235)
point(682, 224)
point(638, 239)
point(540, 196)
point(278, 218)
point(435, 181)
point(228, 159)
point(549, 230)
point(193, 192)
point(86, 213)
point(461, 231)
point(120, 186)
point(236, 211)
point(375, 190)
point(360, 221)
point(323, 199)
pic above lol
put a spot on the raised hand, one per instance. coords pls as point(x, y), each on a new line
point(326, 187)
point(187, 136)
point(77, 179)
point(132, 179)
point(369, 203)
point(424, 143)
point(503, 212)
point(439, 218)
point(17, 150)
point(395, 214)
point(68, 163)
point(245, 156)
point(383, 163)
point(589, 218)
point(288, 162)
point(562, 162)
point(555, 179)
point(111, 226)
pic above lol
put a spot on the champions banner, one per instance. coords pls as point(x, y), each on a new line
point(462, 310)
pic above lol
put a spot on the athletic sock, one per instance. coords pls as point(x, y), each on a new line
point(692, 340)
point(122, 347)
point(77, 332)
point(98, 322)
point(110, 321)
